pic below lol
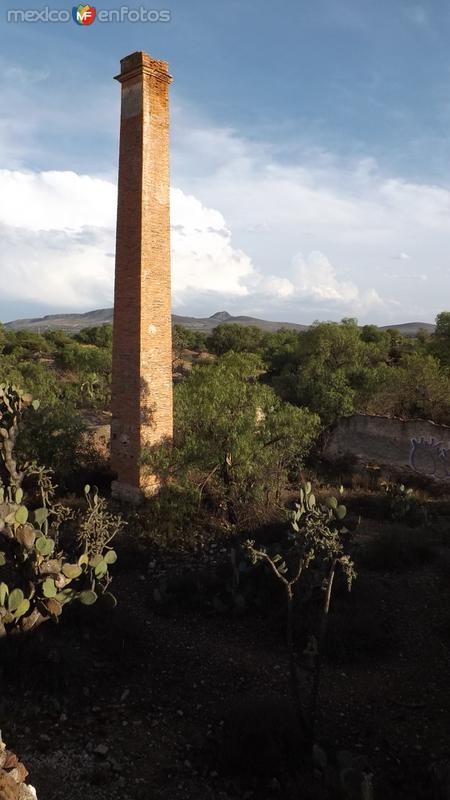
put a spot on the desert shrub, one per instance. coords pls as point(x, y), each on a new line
point(328, 394)
point(417, 387)
point(187, 339)
point(170, 519)
point(279, 349)
point(439, 344)
point(10, 370)
point(339, 369)
point(26, 343)
point(58, 339)
point(100, 336)
point(235, 338)
point(403, 505)
point(331, 369)
point(234, 438)
point(95, 389)
point(39, 379)
point(84, 358)
point(55, 435)
point(40, 575)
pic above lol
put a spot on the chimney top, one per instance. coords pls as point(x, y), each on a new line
point(141, 63)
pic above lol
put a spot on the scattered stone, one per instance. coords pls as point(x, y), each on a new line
point(101, 750)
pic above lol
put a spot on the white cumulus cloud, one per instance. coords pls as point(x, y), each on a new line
point(203, 258)
point(316, 278)
point(58, 242)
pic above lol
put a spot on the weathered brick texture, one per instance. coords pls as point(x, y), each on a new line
point(142, 347)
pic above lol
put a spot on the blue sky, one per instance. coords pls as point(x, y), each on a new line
point(310, 158)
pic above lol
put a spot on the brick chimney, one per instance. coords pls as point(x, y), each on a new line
point(142, 338)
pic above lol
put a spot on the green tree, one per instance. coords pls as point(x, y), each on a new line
point(327, 393)
point(442, 330)
point(316, 375)
point(418, 387)
point(280, 348)
point(236, 338)
point(440, 341)
point(84, 359)
point(2, 337)
point(58, 339)
point(55, 436)
point(100, 335)
point(397, 345)
point(332, 369)
point(26, 344)
point(236, 436)
point(186, 339)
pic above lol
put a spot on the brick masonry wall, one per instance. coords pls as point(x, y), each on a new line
point(142, 355)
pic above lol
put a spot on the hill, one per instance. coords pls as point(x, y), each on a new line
point(410, 328)
point(72, 323)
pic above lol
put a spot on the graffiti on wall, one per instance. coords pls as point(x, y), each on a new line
point(429, 458)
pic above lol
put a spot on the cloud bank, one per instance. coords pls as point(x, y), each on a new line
point(58, 243)
point(297, 239)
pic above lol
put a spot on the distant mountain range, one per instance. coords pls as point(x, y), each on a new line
point(72, 323)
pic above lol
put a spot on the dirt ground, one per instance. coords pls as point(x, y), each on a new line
point(132, 704)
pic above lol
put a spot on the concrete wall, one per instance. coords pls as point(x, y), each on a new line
point(405, 446)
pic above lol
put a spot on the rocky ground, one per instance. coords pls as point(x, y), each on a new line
point(133, 704)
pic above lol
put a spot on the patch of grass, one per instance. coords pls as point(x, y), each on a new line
point(171, 520)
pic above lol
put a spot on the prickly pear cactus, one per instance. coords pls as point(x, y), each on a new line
point(38, 577)
point(331, 509)
point(14, 403)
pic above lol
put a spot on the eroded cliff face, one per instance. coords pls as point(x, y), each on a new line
point(13, 775)
point(412, 446)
